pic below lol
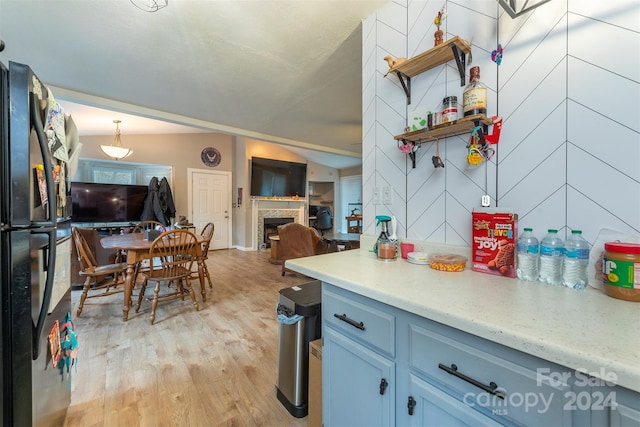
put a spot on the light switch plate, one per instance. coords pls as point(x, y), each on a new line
point(386, 195)
point(376, 196)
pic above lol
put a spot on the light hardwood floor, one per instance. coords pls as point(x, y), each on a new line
point(213, 367)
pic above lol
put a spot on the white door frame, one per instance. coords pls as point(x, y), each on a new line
point(190, 172)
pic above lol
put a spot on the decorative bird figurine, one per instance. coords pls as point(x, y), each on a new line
point(394, 62)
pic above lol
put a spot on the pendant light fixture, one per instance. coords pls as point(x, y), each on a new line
point(116, 150)
point(150, 5)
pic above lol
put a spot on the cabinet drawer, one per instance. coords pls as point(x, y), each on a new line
point(364, 320)
point(531, 392)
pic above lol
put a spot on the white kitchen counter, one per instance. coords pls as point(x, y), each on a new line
point(585, 330)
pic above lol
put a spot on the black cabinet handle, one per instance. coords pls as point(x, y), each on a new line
point(352, 322)
point(411, 404)
point(491, 388)
point(383, 385)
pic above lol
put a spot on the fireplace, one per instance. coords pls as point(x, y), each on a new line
point(270, 227)
point(262, 209)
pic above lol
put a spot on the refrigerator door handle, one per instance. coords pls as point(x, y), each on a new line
point(46, 158)
point(52, 232)
point(48, 290)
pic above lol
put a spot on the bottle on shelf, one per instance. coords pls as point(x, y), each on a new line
point(576, 261)
point(551, 254)
point(474, 97)
point(528, 256)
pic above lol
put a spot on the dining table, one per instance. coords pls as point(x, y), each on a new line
point(137, 248)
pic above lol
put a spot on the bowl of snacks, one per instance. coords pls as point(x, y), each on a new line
point(448, 262)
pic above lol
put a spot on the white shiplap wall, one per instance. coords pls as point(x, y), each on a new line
point(568, 90)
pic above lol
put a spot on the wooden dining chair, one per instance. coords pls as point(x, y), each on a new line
point(105, 278)
point(207, 233)
point(143, 227)
point(171, 255)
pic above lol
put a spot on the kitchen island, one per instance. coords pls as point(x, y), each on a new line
point(584, 331)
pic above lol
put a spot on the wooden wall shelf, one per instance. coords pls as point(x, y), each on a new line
point(453, 49)
point(457, 127)
point(433, 57)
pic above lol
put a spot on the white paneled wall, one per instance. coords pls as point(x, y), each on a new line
point(568, 90)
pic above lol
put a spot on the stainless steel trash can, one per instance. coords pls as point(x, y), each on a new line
point(299, 317)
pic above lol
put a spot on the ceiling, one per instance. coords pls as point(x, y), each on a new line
point(285, 71)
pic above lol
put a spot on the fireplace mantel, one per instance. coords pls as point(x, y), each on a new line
point(273, 208)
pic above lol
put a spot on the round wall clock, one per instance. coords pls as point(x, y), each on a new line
point(211, 157)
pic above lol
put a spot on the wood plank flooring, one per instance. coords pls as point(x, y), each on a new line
point(213, 367)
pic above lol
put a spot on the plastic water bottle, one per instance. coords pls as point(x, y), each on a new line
point(528, 254)
point(576, 261)
point(551, 254)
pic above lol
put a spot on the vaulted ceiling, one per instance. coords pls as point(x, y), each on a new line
point(283, 71)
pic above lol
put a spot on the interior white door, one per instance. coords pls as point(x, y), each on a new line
point(350, 192)
point(211, 202)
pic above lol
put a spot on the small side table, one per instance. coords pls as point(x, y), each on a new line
point(275, 250)
point(357, 219)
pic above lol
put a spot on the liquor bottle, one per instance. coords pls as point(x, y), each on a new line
point(474, 97)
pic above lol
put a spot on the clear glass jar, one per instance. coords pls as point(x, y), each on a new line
point(450, 109)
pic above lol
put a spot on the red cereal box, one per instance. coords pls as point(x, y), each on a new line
point(494, 242)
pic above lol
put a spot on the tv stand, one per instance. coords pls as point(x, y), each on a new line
point(112, 227)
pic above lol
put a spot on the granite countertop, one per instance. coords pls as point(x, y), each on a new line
point(585, 330)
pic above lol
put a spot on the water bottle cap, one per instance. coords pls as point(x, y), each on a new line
point(552, 230)
point(576, 231)
point(528, 229)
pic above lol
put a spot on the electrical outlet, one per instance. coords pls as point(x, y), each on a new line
point(376, 196)
point(386, 195)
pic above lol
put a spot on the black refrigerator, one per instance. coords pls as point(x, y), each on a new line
point(35, 253)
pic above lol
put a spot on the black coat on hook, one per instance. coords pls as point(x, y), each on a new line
point(159, 204)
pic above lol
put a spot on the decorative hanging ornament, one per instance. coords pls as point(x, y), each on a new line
point(438, 35)
point(406, 147)
point(437, 160)
point(496, 55)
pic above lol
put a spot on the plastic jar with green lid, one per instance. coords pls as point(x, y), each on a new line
point(621, 270)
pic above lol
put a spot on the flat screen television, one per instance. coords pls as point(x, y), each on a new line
point(278, 178)
point(92, 202)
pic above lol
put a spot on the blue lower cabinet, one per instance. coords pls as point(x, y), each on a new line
point(432, 407)
point(382, 366)
point(358, 385)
